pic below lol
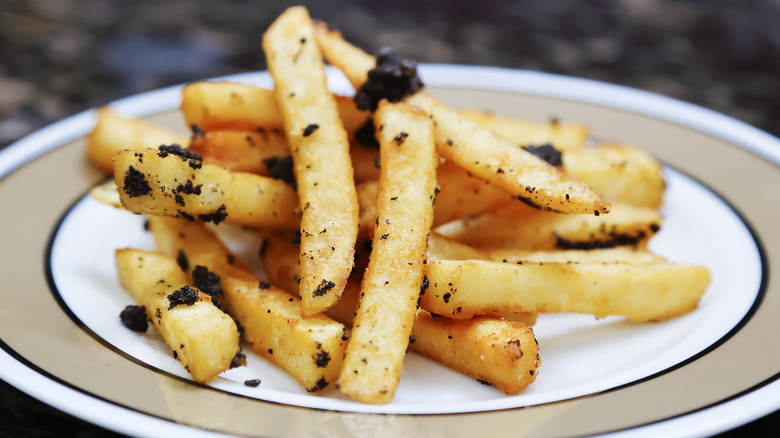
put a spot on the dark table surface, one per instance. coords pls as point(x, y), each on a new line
point(59, 57)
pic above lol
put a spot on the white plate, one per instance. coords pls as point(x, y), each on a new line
point(701, 373)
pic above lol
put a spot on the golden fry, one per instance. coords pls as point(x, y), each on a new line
point(519, 226)
point(619, 254)
point(519, 132)
point(203, 338)
point(171, 183)
point(620, 174)
point(113, 133)
point(496, 351)
point(523, 174)
point(224, 105)
point(391, 285)
point(642, 292)
point(321, 159)
point(352, 61)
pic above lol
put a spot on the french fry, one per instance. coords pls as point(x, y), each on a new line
point(620, 254)
point(519, 226)
point(113, 133)
point(224, 105)
point(203, 338)
point(463, 195)
point(519, 132)
point(445, 248)
point(235, 106)
point(170, 182)
point(352, 61)
point(391, 285)
point(502, 353)
point(619, 173)
point(365, 161)
point(505, 165)
point(321, 159)
point(106, 194)
point(311, 349)
point(367, 193)
point(240, 151)
point(642, 292)
point(279, 255)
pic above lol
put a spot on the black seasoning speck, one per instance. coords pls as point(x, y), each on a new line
point(239, 360)
point(181, 260)
point(319, 386)
point(297, 237)
point(309, 130)
point(135, 183)
point(400, 138)
point(176, 149)
point(366, 134)
point(323, 288)
point(185, 295)
point(208, 282)
point(484, 382)
point(547, 153)
point(263, 285)
point(322, 359)
point(254, 383)
point(281, 168)
point(424, 285)
point(215, 217)
point(183, 214)
point(446, 297)
point(134, 318)
point(529, 203)
point(196, 130)
point(188, 188)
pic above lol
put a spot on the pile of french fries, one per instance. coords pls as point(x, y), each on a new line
point(408, 226)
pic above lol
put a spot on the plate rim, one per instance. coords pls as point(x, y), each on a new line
point(762, 144)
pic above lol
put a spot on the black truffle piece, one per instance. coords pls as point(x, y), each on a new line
point(547, 153)
point(135, 183)
point(323, 288)
point(176, 149)
point(366, 134)
point(216, 217)
point(393, 78)
point(134, 318)
point(208, 282)
point(309, 130)
point(186, 295)
point(281, 168)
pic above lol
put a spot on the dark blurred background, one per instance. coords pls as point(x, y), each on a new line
point(59, 57)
